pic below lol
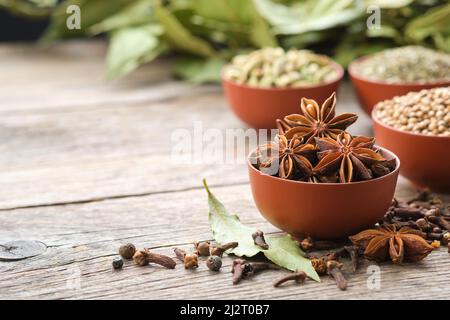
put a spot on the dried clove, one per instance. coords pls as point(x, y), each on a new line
point(202, 248)
point(219, 250)
point(258, 238)
point(353, 252)
point(310, 244)
point(441, 222)
point(242, 269)
point(214, 263)
point(144, 257)
point(127, 251)
point(334, 270)
point(190, 260)
point(238, 270)
point(421, 195)
point(409, 213)
point(298, 277)
point(448, 246)
point(434, 236)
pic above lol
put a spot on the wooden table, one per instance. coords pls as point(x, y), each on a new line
point(87, 166)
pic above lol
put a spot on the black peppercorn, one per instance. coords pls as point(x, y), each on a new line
point(214, 263)
point(117, 263)
point(127, 251)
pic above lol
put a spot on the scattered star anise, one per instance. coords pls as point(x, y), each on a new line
point(288, 158)
point(387, 242)
point(350, 157)
point(316, 121)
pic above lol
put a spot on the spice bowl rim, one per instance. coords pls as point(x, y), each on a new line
point(356, 61)
point(334, 64)
point(393, 172)
point(413, 134)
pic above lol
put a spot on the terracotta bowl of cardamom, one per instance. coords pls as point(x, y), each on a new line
point(325, 211)
point(259, 107)
point(370, 92)
point(425, 158)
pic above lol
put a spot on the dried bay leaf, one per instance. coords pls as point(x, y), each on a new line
point(131, 47)
point(199, 71)
point(137, 13)
point(283, 250)
point(227, 227)
point(179, 36)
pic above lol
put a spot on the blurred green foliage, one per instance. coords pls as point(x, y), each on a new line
point(207, 33)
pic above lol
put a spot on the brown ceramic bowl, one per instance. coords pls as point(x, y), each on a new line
point(260, 107)
point(425, 159)
point(370, 92)
point(323, 210)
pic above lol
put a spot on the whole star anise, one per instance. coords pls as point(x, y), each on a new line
point(350, 157)
point(287, 158)
point(316, 121)
point(387, 242)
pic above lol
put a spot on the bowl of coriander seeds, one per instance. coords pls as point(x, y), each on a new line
point(267, 84)
point(395, 72)
point(416, 126)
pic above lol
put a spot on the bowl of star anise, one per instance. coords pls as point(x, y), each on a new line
point(316, 179)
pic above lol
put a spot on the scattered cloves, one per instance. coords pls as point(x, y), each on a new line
point(242, 269)
point(190, 260)
point(334, 270)
point(298, 277)
point(202, 248)
point(144, 257)
point(219, 250)
point(353, 252)
point(258, 238)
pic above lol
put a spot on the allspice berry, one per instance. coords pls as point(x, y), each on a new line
point(127, 251)
point(141, 258)
point(202, 248)
point(214, 263)
point(117, 263)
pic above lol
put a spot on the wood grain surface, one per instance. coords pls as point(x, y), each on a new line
point(87, 165)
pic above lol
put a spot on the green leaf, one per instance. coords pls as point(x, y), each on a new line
point(283, 250)
point(180, 37)
point(435, 21)
point(309, 15)
point(92, 12)
point(138, 12)
point(227, 227)
point(233, 16)
point(33, 9)
point(199, 71)
point(130, 47)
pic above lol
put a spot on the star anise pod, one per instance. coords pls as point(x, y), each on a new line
point(350, 157)
point(387, 242)
point(316, 121)
point(287, 158)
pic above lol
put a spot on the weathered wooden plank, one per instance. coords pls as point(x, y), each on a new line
point(84, 237)
point(70, 75)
